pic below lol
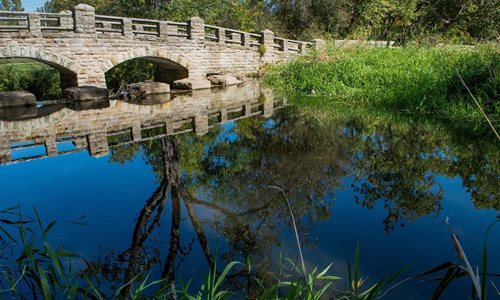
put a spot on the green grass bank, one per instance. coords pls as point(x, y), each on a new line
point(412, 79)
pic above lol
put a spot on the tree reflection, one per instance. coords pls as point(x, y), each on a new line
point(397, 162)
point(230, 177)
point(226, 174)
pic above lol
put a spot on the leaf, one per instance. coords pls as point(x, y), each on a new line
point(356, 270)
point(44, 284)
point(224, 273)
point(485, 260)
point(447, 279)
point(10, 222)
point(48, 228)
point(439, 268)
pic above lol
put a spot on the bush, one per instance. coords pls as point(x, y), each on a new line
point(38, 79)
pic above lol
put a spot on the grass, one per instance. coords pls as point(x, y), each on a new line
point(410, 79)
point(40, 270)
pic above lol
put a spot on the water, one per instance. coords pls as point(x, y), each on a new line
point(180, 184)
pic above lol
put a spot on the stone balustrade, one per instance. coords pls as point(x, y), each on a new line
point(83, 46)
point(84, 20)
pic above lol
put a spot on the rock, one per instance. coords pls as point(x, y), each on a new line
point(85, 93)
point(224, 80)
point(48, 109)
point(150, 99)
point(17, 99)
point(240, 77)
point(192, 84)
point(18, 113)
point(88, 105)
point(142, 89)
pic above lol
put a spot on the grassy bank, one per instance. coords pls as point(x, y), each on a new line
point(413, 79)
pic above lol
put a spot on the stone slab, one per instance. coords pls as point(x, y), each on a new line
point(88, 105)
point(85, 93)
point(192, 84)
point(18, 113)
point(151, 99)
point(224, 80)
point(17, 99)
point(142, 89)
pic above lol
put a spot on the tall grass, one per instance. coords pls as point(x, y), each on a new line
point(415, 79)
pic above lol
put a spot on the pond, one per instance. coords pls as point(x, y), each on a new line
point(181, 184)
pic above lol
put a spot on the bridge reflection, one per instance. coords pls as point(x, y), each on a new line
point(62, 130)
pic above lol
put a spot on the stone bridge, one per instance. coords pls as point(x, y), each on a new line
point(66, 130)
point(83, 46)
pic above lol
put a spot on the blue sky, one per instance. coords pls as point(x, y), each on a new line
point(32, 5)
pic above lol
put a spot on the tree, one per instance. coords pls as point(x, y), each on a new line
point(11, 5)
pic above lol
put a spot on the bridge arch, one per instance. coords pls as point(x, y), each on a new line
point(67, 68)
point(170, 66)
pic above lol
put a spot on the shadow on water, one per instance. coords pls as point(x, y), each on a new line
point(212, 205)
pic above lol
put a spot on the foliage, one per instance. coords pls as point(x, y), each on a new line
point(401, 20)
point(11, 5)
point(36, 78)
point(135, 70)
point(39, 269)
point(415, 79)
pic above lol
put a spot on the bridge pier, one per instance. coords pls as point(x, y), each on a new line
point(92, 78)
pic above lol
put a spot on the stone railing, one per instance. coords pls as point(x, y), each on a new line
point(83, 20)
point(35, 22)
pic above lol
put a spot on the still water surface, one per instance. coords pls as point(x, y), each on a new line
point(181, 184)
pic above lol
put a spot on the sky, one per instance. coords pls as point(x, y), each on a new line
point(32, 5)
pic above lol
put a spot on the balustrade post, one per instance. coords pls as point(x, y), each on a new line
point(245, 39)
point(136, 132)
point(221, 35)
point(5, 156)
point(51, 145)
point(248, 109)
point(84, 19)
point(98, 144)
point(169, 127)
point(284, 46)
point(201, 123)
point(268, 105)
point(302, 47)
point(127, 28)
point(35, 25)
point(266, 46)
point(319, 44)
point(163, 29)
point(66, 21)
point(196, 30)
point(223, 115)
